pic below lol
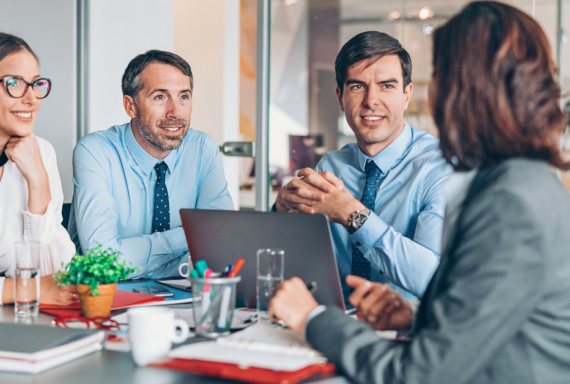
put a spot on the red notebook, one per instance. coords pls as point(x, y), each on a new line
point(122, 299)
point(247, 375)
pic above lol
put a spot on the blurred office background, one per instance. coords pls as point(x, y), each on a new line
point(85, 45)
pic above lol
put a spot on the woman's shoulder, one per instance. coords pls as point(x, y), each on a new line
point(45, 147)
point(526, 177)
point(529, 185)
point(47, 151)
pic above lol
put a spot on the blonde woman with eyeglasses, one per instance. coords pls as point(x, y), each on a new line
point(31, 196)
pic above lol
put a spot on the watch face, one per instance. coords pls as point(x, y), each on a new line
point(360, 219)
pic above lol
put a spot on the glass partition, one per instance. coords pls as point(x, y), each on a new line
point(304, 118)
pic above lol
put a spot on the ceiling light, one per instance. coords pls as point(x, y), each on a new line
point(394, 15)
point(289, 2)
point(425, 13)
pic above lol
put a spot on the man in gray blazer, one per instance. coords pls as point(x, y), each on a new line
point(497, 309)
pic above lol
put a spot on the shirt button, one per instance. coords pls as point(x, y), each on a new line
point(358, 243)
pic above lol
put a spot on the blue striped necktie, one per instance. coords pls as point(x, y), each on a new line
point(360, 265)
point(161, 217)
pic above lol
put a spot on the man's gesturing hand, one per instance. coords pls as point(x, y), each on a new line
point(378, 305)
point(300, 194)
point(292, 303)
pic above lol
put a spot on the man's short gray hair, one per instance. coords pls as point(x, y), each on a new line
point(132, 83)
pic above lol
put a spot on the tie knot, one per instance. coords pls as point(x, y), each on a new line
point(161, 169)
point(371, 169)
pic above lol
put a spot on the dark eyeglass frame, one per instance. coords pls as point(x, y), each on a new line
point(28, 84)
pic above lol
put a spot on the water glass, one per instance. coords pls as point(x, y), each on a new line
point(27, 279)
point(270, 266)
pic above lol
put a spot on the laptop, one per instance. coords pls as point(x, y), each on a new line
point(221, 237)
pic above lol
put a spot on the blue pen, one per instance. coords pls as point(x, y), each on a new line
point(227, 270)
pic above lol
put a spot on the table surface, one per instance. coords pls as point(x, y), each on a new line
point(111, 367)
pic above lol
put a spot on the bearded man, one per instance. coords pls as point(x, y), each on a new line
point(131, 180)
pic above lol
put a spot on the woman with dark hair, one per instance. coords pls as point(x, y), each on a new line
point(497, 309)
point(30, 188)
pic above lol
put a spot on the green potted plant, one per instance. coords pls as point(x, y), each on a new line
point(95, 277)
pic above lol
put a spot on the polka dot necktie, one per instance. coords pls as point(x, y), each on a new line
point(361, 266)
point(161, 218)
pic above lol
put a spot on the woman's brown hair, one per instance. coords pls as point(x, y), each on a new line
point(11, 44)
point(494, 93)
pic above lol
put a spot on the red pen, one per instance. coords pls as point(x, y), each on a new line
point(237, 266)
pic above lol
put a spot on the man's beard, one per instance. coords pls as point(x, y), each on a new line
point(165, 143)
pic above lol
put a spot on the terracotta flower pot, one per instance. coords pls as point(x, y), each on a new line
point(96, 306)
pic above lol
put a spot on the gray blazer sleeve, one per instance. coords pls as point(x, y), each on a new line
point(492, 281)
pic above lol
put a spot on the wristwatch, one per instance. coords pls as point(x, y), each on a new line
point(357, 220)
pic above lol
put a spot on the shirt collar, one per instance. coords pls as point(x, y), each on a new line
point(386, 159)
point(145, 161)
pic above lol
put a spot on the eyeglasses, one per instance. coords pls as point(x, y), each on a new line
point(17, 87)
point(73, 321)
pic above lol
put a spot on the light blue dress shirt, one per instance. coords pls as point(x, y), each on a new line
point(402, 237)
point(113, 198)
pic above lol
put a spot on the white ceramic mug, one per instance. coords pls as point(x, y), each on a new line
point(152, 331)
point(187, 270)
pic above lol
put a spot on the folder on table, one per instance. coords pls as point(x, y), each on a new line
point(240, 373)
point(122, 299)
point(259, 354)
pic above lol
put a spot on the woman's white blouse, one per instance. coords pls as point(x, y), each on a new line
point(16, 223)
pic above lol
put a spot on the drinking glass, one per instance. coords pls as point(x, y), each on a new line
point(27, 279)
point(270, 264)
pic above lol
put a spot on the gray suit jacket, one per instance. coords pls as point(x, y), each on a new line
point(497, 309)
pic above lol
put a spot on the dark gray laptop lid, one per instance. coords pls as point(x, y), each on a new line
point(221, 237)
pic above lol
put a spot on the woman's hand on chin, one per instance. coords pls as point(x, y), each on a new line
point(50, 293)
point(25, 153)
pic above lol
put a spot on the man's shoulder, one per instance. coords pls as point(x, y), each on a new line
point(104, 140)
point(200, 138)
point(424, 145)
point(423, 153)
point(343, 154)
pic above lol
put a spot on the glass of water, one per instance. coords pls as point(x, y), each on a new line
point(27, 279)
point(269, 274)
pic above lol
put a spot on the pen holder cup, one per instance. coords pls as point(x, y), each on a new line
point(214, 310)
